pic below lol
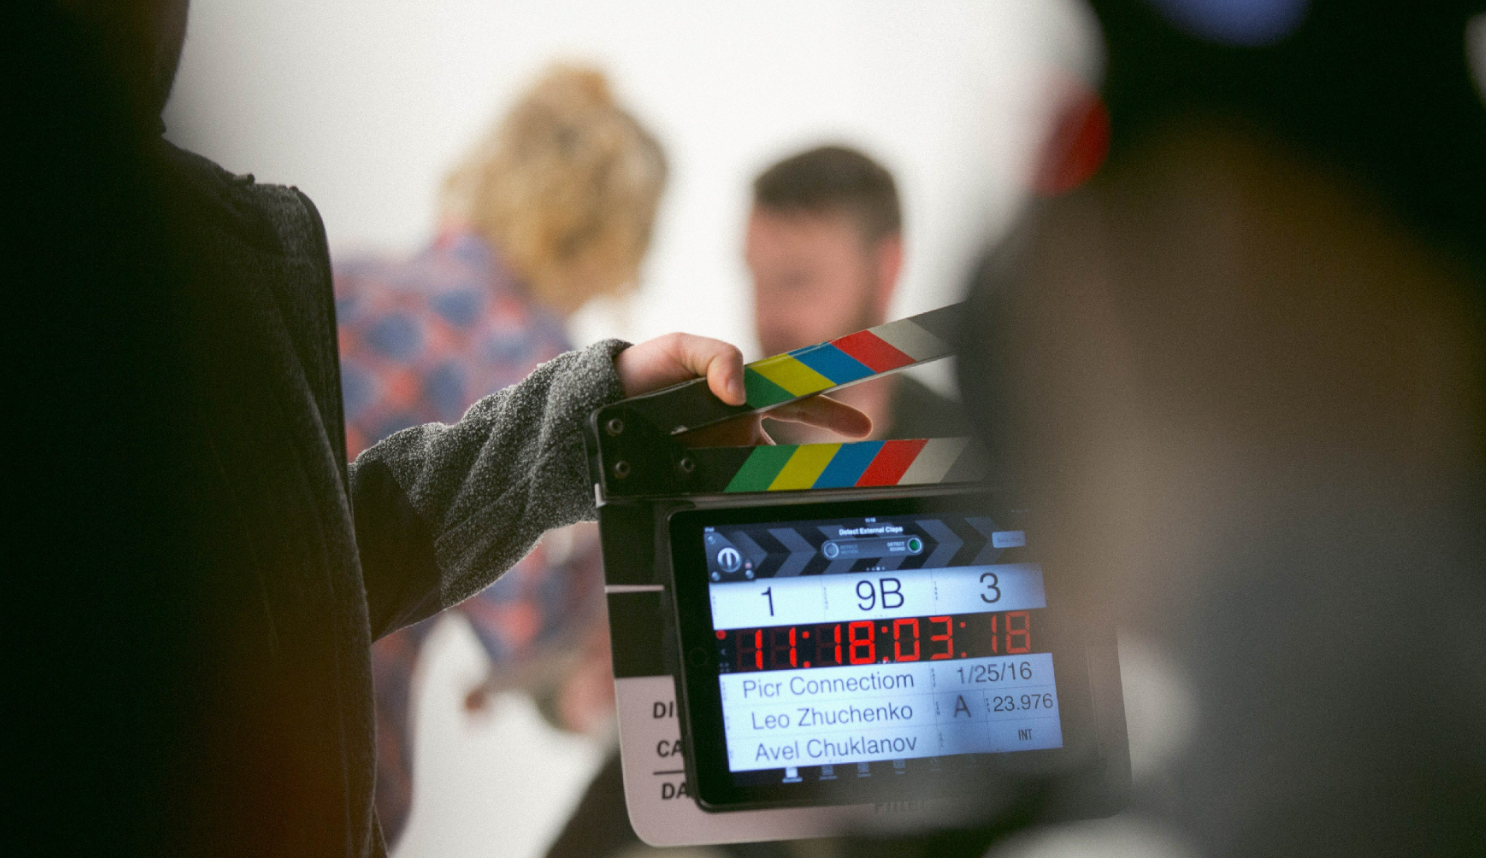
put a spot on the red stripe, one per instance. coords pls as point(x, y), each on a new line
point(872, 350)
point(890, 462)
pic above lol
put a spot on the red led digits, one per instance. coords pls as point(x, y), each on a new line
point(756, 638)
point(825, 652)
point(898, 625)
point(1018, 640)
point(948, 638)
point(889, 641)
point(787, 645)
point(860, 635)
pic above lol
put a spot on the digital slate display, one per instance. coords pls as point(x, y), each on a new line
point(857, 650)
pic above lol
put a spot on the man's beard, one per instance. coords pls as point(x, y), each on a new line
point(864, 317)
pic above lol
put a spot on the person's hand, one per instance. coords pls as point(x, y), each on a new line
point(674, 358)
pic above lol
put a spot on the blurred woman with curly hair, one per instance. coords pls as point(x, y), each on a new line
point(552, 207)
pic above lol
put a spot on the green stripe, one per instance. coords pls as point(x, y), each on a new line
point(763, 465)
point(761, 391)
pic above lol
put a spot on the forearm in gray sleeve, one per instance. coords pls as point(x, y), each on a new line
point(479, 493)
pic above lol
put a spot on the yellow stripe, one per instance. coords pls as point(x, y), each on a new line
point(804, 467)
point(790, 374)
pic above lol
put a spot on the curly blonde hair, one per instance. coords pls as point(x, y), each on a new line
point(565, 187)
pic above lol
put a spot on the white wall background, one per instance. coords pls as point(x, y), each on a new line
point(364, 103)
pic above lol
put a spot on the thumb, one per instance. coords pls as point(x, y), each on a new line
point(674, 358)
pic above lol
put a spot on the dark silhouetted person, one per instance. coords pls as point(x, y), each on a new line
point(1241, 376)
point(196, 572)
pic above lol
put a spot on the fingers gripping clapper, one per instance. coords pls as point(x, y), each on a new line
point(637, 454)
point(848, 688)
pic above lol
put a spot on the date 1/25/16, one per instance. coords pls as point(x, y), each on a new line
point(901, 639)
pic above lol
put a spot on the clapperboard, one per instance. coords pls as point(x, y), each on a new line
point(644, 478)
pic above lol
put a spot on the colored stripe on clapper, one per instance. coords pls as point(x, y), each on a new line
point(872, 351)
point(850, 358)
point(802, 469)
point(832, 363)
point(934, 461)
point(795, 467)
point(791, 375)
point(890, 463)
point(848, 465)
point(910, 338)
point(760, 468)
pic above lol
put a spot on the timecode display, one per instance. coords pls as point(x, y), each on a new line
point(888, 641)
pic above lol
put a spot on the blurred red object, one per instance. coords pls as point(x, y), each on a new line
point(1078, 145)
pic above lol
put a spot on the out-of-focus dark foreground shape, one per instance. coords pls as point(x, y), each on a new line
point(96, 590)
point(187, 621)
point(1242, 375)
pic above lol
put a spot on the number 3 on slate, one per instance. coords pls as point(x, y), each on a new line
point(993, 587)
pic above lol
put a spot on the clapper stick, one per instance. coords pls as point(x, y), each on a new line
point(635, 453)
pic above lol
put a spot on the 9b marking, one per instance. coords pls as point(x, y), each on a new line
point(891, 590)
point(886, 591)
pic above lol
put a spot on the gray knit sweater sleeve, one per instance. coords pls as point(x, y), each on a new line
point(441, 511)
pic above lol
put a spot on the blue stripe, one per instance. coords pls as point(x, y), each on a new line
point(832, 363)
point(847, 465)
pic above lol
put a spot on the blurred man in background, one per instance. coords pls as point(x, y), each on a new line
point(552, 207)
point(824, 249)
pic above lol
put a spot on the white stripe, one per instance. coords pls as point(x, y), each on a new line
point(933, 461)
point(634, 588)
point(911, 340)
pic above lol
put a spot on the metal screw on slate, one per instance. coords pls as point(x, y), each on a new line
point(621, 469)
point(686, 465)
point(614, 426)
